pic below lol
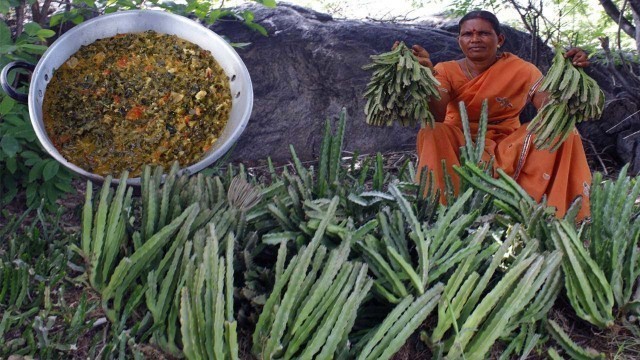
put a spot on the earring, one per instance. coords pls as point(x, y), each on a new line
point(498, 46)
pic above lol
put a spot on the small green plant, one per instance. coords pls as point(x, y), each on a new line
point(210, 11)
point(23, 163)
point(37, 318)
point(572, 349)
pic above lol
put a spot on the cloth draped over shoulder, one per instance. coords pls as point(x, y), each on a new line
point(509, 85)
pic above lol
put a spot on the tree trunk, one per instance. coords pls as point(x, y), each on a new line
point(614, 13)
point(636, 21)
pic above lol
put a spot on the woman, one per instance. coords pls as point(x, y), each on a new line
point(508, 82)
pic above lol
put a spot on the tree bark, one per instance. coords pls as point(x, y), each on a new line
point(19, 18)
point(635, 6)
point(614, 13)
point(40, 13)
point(635, 10)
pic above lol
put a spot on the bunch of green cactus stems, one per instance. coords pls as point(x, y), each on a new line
point(165, 253)
point(614, 235)
point(574, 97)
point(470, 319)
point(399, 90)
point(208, 327)
point(364, 257)
point(311, 310)
point(587, 287)
point(439, 247)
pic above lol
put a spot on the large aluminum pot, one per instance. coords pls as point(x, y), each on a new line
point(132, 22)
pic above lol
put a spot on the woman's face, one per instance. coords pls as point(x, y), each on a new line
point(478, 40)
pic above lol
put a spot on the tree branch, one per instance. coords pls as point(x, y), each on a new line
point(635, 6)
point(45, 9)
point(628, 82)
point(19, 18)
point(39, 13)
point(612, 10)
point(35, 12)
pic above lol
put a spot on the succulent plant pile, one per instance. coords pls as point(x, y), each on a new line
point(347, 261)
point(574, 97)
point(399, 90)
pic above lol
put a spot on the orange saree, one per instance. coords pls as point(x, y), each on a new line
point(508, 85)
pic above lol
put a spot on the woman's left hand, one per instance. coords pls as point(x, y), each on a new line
point(578, 57)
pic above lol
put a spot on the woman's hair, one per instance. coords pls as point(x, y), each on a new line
point(485, 15)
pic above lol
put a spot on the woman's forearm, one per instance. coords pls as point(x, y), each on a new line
point(439, 107)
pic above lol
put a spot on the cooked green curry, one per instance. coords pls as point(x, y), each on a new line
point(135, 99)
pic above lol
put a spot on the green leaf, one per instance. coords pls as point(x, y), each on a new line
point(36, 171)
point(89, 3)
point(31, 192)
point(30, 155)
point(33, 48)
point(267, 3)
point(248, 16)
point(45, 33)
point(50, 169)
point(4, 7)
point(5, 32)
point(56, 19)
point(77, 19)
point(49, 192)
point(6, 105)
point(14, 120)
point(32, 28)
point(64, 187)
point(257, 27)
point(7, 49)
point(12, 165)
point(214, 16)
point(10, 189)
point(9, 145)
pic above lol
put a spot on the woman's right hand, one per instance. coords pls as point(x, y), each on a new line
point(423, 56)
point(418, 51)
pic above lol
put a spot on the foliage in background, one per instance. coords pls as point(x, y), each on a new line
point(569, 23)
point(609, 30)
point(23, 163)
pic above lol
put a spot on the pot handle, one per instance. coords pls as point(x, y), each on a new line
point(4, 81)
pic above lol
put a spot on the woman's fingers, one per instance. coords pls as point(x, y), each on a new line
point(426, 62)
point(423, 56)
point(419, 51)
point(578, 57)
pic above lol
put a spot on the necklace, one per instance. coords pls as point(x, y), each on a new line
point(466, 65)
